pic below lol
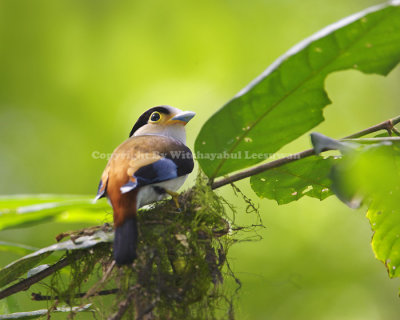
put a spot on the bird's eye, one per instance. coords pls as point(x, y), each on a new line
point(155, 117)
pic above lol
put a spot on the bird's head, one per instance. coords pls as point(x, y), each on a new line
point(163, 120)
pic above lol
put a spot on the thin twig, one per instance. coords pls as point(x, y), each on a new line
point(51, 309)
point(26, 283)
point(374, 140)
point(124, 304)
point(39, 297)
point(145, 312)
point(386, 125)
point(92, 291)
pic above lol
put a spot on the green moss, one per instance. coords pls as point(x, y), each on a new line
point(179, 270)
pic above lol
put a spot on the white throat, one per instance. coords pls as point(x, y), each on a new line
point(175, 131)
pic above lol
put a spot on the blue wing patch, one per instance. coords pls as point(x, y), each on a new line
point(132, 184)
point(161, 170)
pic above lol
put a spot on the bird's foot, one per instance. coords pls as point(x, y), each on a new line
point(175, 197)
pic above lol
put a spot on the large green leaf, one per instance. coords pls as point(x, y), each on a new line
point(26, 210)
point(292, 181)
point(287, 100)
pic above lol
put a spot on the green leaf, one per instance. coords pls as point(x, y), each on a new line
point(20, 200)
point(98, 215)
point(374, 172)
point(26, 210)
point(10, 304)
point(358, 157)
point(371, 172)
point(16, 248)
point(382, 183)
point(19, 267)
point(292, 181)
point(385, 222)
point(287, 100)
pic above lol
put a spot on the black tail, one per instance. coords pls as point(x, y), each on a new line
point(125, 242)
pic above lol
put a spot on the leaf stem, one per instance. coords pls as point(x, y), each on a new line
point(385, 125)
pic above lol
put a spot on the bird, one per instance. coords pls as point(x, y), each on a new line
point(151, 164)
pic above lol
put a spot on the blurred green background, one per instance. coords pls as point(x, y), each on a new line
point(76, 74)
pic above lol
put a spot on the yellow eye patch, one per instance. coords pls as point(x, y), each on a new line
point(155, 117)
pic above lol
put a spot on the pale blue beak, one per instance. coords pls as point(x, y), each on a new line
point(184, 116)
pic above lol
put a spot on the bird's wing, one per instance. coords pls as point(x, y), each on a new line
point(158, 171)
point(174, 160)
point(143, 160)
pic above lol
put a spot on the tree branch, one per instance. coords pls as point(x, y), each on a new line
point(385, 125)
point(374, 140)
point(26, 283)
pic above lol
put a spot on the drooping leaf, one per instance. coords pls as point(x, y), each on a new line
point(288, 98)
point(383, 186)
point(338, 185)
point(26, 210)
point(371, 172)
point(359, 154)
point(385, 222)
point(346, 192)
point(19, 267)
point(374, 172)
point(292, 181)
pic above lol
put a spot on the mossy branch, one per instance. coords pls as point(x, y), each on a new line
point(179, 271)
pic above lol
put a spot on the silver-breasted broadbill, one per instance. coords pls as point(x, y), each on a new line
point(151, 164)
